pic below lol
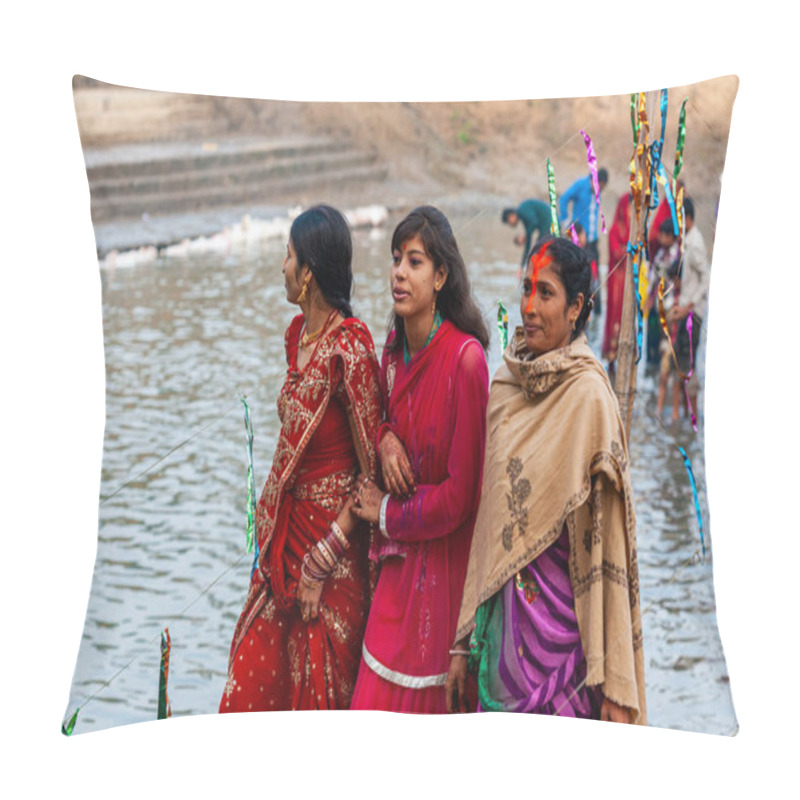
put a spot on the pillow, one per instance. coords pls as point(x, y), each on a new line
point(191, 202)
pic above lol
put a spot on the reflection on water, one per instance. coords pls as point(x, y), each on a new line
point(185, 338)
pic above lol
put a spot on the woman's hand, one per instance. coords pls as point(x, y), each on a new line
point(455, 687)
point(367, 500)
point(398, 477)
point(308, 600)
point(611, 712)
point(347, 519)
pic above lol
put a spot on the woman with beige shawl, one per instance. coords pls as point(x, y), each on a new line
point(550, 620)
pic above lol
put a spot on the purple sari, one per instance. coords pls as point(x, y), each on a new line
point(527, 645)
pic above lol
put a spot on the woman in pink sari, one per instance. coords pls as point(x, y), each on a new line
point(618, 237)
point(434, 381)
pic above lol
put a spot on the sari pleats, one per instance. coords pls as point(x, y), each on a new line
point(527, 644)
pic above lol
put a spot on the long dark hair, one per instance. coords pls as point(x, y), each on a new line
point(322, 241)
point(454, 301)
point(572, 265)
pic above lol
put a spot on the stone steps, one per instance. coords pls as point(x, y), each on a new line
point(128, 181)
point(163, 165)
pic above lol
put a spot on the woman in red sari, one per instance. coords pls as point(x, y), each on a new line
point(434, 382)
point(298, 639)
point(618, 237)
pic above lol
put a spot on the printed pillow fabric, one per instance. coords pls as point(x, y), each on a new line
point(192, 199)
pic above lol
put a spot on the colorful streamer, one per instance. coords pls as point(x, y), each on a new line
point(681, 218)
point(574, 234)
point(698, 514)
point(656, 150)
point(634, 120)
point(691, 370)
point(591, 157)
point(164, 709)
point(644, 282)
point(664, 101)
point(502, 325)
point(680, 143)
point(251, 491)
point(69, 726)
point(636, 252)
point(639, 192)
point(551, 188)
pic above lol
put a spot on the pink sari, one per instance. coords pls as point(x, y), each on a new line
point(436, 405)
point(615, 284)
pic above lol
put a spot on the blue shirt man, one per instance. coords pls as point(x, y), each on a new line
point(584, 205)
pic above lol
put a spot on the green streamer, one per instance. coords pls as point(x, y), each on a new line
point(251, 489)
point(634, 120)
point(551, 188)
point(164, 709)
point(679, 147)
point(68, 727)
point(502, 325)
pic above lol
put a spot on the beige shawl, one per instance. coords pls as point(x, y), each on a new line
point(556, 454)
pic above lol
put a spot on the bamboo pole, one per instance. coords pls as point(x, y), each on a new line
point(625, 378)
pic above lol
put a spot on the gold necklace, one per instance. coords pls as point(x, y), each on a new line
point(309, 338)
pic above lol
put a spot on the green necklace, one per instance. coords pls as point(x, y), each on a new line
point(437, 321)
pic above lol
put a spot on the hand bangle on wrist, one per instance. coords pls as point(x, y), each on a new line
point(382, 516)
point(457, 652)
point(339, 534)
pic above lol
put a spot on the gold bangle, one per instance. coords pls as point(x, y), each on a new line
point(339, 534)
point(327, 554)
point(312, 569)
point(307, 580)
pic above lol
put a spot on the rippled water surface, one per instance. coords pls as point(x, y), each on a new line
point(186, 335)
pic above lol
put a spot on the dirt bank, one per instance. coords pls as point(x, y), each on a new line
point(466, 152)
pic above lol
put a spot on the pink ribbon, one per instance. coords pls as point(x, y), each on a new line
point(592, 159)
point(689, 373)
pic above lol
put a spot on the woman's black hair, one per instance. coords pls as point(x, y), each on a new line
point(454, 301)
point(322, 241)
point(572, 265)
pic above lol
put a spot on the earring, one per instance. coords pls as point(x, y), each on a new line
point(302, 295)
point(433, 304)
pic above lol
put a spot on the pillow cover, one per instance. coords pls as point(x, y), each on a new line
point(191, 200)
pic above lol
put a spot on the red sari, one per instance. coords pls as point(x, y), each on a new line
point(278, 661)
point(436, 405)
point(618, 237)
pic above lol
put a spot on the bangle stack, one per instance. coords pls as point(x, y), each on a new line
point(321, 560)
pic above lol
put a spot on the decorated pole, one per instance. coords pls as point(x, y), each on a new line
point(629, 347)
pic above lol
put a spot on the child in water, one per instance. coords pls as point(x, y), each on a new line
point(666, 265)
point(666, 259)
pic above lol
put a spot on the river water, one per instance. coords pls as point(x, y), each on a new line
point(187, 333)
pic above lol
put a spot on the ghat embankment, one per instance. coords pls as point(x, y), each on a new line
point(163, 167)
